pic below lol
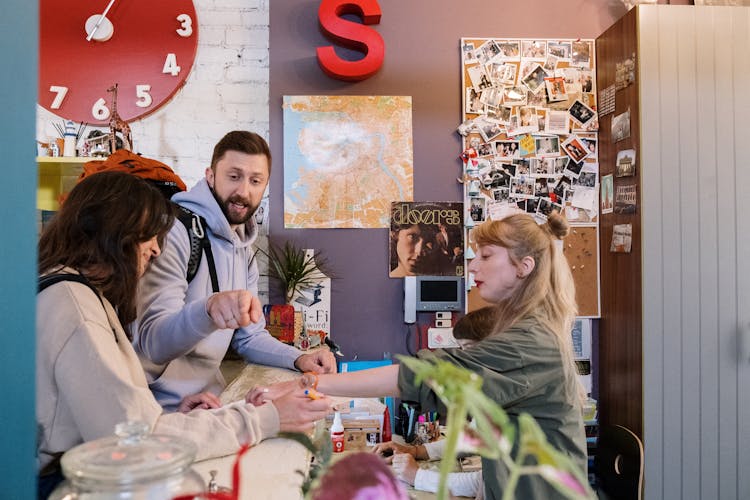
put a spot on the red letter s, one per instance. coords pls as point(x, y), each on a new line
point(352, 35)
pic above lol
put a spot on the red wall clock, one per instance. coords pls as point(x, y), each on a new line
point(147, 47)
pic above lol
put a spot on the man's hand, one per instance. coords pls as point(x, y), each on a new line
point(298, 412)
point(234, 309)
point(405, 467)
point(389, 448)
point(202, 400)
point(320, 361)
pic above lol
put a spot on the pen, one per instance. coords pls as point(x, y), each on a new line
point(312, 394)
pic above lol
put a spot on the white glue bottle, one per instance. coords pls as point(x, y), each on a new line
point(337, 433)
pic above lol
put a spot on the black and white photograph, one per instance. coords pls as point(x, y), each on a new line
point(491, 96)
point(625, 199)
point(625, 165)
point(534, 49)
point(499, 115)
point(574, 148)
point(547, 145)
point(581, 113)
point(522, 187)
point(546, 206)
point(550, 64)
point(495, 178)
point(534, 79)
point(581, 53)
point(621, 126)
point(573, 169)
point(473, 105)
point(509, 49)
point(563, 184)
point(507, 149)
point(468, 51)
point(541, 187)
point(488, 129)
point(560, 163)
point(484, 149)
point(522, 166)
point(586, 79)
point(586, 179)
point(478, 77)
point(561, 50)
point(477, 208)
point(501, 195)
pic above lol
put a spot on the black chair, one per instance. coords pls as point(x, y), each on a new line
point(619, 464)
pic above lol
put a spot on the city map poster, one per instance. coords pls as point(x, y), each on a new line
point(346, 158)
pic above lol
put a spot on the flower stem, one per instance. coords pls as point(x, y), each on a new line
point(456, 419)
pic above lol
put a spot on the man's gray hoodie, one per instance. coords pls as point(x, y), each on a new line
point(177, 342)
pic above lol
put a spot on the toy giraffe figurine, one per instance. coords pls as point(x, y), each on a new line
point(117, 124)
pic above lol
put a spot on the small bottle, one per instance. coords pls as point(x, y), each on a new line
point(337, 433)
point(69, 147)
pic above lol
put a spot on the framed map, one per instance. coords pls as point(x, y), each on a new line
point(346, 158)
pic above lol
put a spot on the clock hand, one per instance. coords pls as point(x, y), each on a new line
point(101, 18)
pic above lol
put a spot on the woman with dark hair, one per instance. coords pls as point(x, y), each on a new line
point(88, 377)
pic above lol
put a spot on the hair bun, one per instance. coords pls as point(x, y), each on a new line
point(558, 225)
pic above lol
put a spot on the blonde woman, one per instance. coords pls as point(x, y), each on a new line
point(526, 362)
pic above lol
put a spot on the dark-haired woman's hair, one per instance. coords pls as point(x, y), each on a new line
point(477, 324)
point(97, 232)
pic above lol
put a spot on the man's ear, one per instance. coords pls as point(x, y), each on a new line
point(525, 266)
point(210, 177)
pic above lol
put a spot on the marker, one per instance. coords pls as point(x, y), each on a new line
point(312, 394)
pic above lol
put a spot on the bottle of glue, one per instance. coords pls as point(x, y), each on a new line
point(337, 433)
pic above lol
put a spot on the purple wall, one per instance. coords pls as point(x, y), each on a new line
point(422, 60)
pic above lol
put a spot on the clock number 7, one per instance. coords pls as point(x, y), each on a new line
point(61, 93)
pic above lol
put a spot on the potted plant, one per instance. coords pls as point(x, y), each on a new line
point(294, 268)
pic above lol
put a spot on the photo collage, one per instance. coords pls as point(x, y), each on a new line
point(530, 128)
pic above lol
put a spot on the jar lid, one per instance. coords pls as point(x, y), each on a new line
point(131, 456)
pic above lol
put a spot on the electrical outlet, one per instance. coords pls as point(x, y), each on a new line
point(443, 315)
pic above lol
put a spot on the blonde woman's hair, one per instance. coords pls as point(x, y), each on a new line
point(547, 294)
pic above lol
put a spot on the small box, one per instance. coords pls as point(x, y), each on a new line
point(443, 315)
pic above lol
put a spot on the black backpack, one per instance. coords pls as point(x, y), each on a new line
point(199, 244)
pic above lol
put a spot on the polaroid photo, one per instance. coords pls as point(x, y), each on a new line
point(560, 50)
point(473, 104)
point(581, 113)
point(586, 79)
point(557, 122)
point(586, 179)
point(534, 79)
point(514, 96)
point(509, 169)
point(547, 168)
point(542, 187)
point(509, 74)
point(523, 166)
point(606, 191)
point(531, 205)
point(494, 71)
point(574, 148)
point(538, 100)
point(561, 162)
point(487, 51)
point(533, 49)
point(487, 129)
point(536, 167)
point(555, 89)
point(477, 208)
point(527, 120)
point(522, 187)
point(625, 164)
point(499, 115)
point(571, 75)
point(584, 198)
point(509, 50)
point(625, 199)
point(563, 185)
point(496, 179)
point(546, 207)
point(581, 53)
point(526, 145)
point(541, 117)
point(550, 64)
point(572, 169)
point(507, 149)
point(547, 145)
point(491, 96)
point(591, 143)
point(512, 127)
point(621, 126)
point(467, 50)
point(501, 195)
point(478, 77)
point(485, 149)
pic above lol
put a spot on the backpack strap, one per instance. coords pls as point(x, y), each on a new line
point(199, 244)
point(52, 279)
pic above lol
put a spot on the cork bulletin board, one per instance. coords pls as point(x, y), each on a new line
point(530, 141)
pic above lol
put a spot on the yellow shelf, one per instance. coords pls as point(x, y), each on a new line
point(57, 175)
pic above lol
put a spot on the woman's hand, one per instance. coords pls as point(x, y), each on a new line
point(405, 467)
point(298, 412)
point(260, 394)
point(202, 400)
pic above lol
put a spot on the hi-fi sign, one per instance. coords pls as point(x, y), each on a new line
point(351, 35)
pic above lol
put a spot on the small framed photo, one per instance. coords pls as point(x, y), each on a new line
point(607, 194)
point(509, 50)
point(581, 53)
point(477, 208)
point(625, 166)
point(534, 79)
point(556, 89)
point(547, 145)
point(467, 49)
point(533, 49)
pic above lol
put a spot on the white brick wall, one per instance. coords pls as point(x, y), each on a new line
point(227, 89)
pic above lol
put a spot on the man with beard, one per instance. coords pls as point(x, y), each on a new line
point(183, 329)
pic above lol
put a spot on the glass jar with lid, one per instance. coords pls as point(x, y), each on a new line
point(133, 464)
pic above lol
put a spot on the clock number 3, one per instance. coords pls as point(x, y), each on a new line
point(187, 25)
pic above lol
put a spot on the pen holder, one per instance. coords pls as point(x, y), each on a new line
point(416, 427)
